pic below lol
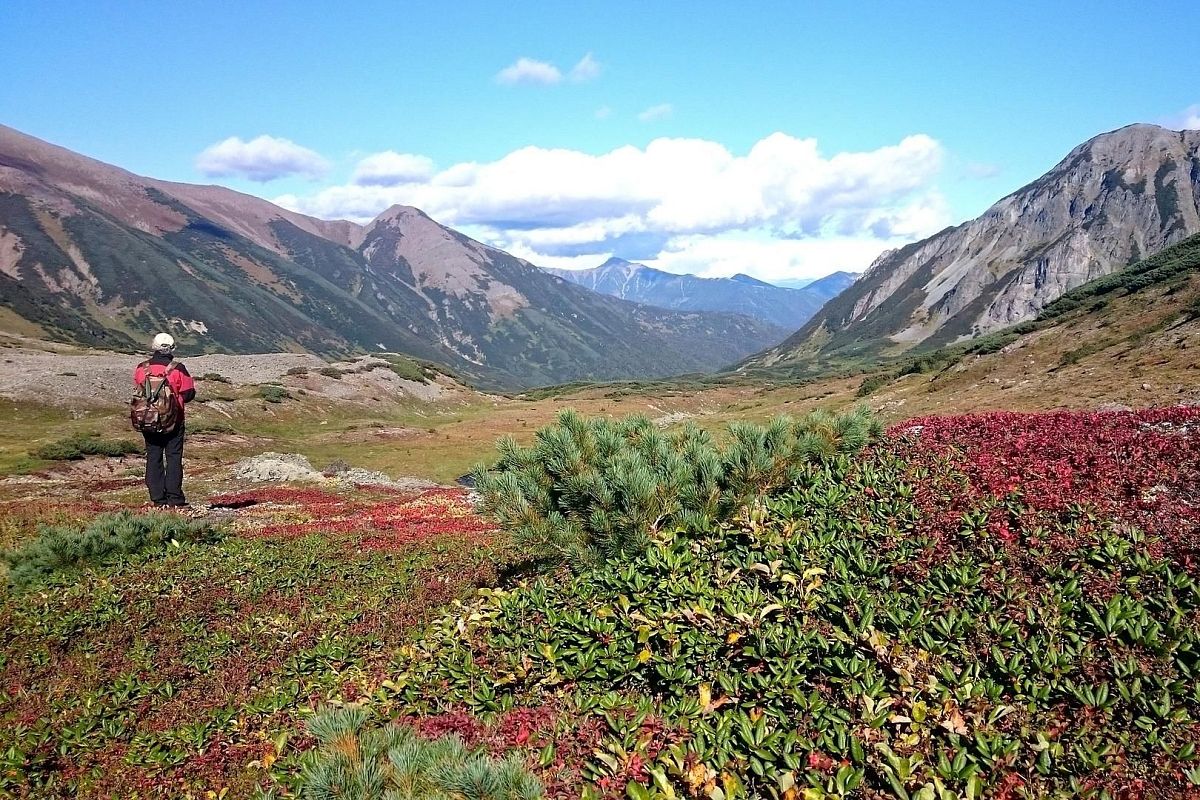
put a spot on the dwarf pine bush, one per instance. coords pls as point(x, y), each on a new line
point(81, 445)
point(594, 489)
point(106, 537)
point(359, 759)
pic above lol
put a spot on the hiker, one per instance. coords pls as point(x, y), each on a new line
point(163, 388)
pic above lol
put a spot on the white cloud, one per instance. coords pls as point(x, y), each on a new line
point(603, 112)
point(1186, 120)
point(264, 158)
point(780, 210)
point(587, 69)
point(767, 259)
point(390, 168)
point(528, 70)
point(661, 111)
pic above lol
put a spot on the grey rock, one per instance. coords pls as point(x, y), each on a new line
point(276, 468)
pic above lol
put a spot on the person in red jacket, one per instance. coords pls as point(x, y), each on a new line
point(164, 451)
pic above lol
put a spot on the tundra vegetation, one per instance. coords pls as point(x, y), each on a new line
point(995, 605)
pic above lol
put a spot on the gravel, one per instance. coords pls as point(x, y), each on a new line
point(101, 379)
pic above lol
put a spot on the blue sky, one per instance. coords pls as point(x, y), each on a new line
point(779, 139)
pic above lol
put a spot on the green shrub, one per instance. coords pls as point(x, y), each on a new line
point(274, 394)
point(214, 377)
point(332, 372)
point(594, 489)
point(300, 371)
point(106, 537)
point(359, 758)
point(871, 383)
point(407, 369)
point(80, 445)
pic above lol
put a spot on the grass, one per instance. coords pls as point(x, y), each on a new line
point(442, 441)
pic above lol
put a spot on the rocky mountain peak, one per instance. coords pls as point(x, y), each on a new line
point(616, 262)
point(403, 214)
point(1111, 201)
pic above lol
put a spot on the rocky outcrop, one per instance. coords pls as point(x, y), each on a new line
point(1112, 201)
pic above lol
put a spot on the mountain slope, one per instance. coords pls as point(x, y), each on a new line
point(1112, 200)
point(1129, 337)
point(94, 254)
point(740, 294)
point(832, 284)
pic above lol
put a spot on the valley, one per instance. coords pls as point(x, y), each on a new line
point(464, 528)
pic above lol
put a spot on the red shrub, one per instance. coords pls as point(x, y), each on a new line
point(1141, 468)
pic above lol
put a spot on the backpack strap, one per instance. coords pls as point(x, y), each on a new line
point(145, 387)
point(165, 381)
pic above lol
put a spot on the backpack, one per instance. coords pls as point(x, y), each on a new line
point(154, 408)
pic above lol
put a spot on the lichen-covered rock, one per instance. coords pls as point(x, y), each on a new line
point(276, 467)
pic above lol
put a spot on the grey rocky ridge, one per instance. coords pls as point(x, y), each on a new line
point(93, 254)
point(1113, 200)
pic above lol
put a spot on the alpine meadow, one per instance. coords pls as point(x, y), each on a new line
point(612, 402)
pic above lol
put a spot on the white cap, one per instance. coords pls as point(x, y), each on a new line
point(164, 342)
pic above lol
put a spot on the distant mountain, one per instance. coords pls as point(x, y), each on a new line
point(794, 283)
point(832, 284)
point(1113, 200)
point(94, 254)
point(741, 294)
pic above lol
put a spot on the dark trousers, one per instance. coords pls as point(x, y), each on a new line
point(164, 467)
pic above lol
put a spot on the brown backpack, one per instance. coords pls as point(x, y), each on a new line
point(154, 408)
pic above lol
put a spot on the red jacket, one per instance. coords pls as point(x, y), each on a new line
point(182, 385)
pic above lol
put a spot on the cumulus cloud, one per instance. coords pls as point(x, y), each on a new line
point(781, 209)
point(390, 168)
point(1186, 120)
point(262, 159)
point(529, 70)
point(661, 111)
point(587, 69)
point(543, 73)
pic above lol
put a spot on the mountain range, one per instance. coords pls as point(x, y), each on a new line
point(1114, 199)
point(740, 294)
point(93, 254)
